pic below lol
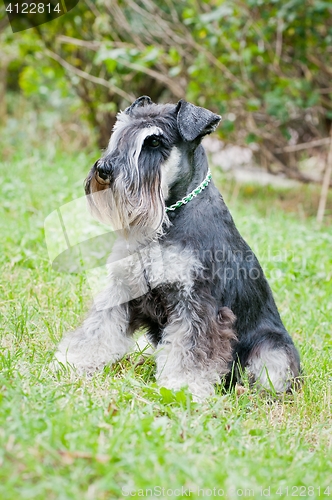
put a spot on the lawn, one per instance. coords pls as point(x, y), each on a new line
point(118, 435)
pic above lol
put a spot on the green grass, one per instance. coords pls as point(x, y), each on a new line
point(117, 433)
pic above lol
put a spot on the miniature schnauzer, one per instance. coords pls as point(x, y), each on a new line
point(195, 284)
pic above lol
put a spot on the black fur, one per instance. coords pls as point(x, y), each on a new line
point(236, 279)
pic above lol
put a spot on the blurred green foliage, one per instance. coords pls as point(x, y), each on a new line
point(266, 66)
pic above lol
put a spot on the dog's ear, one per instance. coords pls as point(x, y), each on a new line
point(194, 122)
point(144, 100)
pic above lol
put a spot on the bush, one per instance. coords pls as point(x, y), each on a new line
point(265, 66)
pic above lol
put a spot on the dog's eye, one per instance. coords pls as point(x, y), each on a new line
point(153, 142)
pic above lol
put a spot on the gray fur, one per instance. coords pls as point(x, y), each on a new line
point(187, 276)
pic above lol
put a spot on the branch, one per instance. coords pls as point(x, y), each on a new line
point(4, 23)
point(93, 45)
point(305, 145)
point(315, 60)
point(93, 8)
point(175, 88)
point(325, 184)
point(278, 50)
point(91, 78)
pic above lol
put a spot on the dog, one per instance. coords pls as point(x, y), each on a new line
point(179, 268)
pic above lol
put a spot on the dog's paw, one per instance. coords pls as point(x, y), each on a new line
point(56, 366)
point(65, 362)
point(59, 367)
point(200, 390)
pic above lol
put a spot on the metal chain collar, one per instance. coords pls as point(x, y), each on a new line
point(191, 195)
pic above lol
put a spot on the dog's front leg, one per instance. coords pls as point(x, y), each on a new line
point(196, 349)
point(174, 372)
point(102, 339)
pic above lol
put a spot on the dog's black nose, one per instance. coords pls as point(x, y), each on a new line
point(103, 170)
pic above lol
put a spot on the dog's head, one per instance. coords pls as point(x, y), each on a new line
point(150, 152)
